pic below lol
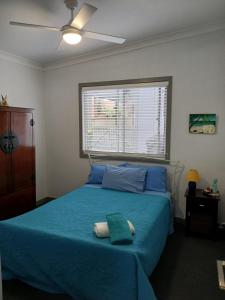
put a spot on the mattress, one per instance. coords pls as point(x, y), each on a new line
point(54, 248)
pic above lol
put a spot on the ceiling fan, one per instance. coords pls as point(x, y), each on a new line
point(72, 32)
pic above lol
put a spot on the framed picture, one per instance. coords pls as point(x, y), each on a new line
point(202, 123)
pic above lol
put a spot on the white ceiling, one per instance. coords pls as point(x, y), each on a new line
point(134, 20)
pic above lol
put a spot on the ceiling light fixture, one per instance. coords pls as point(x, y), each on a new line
point(72, 36)
point(72, 32)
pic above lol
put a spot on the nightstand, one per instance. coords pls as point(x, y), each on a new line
point(201, 214)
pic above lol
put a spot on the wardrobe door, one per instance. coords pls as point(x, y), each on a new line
point(5, 173)
point(23, 155)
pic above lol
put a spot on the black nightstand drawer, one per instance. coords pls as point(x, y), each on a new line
point(201, 205)
point(201, 214)
point(201, 223)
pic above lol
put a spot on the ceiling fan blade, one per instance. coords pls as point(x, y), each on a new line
point(61, 44)
point(83, 16)
point(34, 26)
point(104, 37)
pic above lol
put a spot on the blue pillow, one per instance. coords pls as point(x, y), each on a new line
point(124, 179)
point(96, 174)
point(156, 178)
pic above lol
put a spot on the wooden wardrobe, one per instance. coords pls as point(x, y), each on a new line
point(17, 161)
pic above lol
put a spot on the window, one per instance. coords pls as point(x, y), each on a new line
point(128, 119)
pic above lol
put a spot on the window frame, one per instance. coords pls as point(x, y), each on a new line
point(120, 157)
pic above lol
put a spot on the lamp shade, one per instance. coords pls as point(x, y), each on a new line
point(192, 175)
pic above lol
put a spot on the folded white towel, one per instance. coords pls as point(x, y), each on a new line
point(101, 229)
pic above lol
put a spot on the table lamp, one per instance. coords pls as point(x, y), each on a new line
point(192, 177)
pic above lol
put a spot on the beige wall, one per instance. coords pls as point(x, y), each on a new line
point(24, 86)
point(198, 68)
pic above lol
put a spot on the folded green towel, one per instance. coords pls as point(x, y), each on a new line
point(119, 229)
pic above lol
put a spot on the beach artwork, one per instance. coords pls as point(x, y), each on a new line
point(202, 123)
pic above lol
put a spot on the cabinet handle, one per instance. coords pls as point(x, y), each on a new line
point(201, 205)
point(8, 142)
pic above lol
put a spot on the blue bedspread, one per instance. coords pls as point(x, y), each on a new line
point(54, 248)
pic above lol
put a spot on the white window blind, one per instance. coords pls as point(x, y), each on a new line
point(125, 120)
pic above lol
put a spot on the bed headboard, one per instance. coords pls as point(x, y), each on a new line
point(174, 170)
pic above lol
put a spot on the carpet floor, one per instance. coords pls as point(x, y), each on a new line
point(186, 271)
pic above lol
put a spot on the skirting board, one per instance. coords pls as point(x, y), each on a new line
point(44, 201)
point(179, 221)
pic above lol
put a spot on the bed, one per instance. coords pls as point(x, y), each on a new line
point(53, 247)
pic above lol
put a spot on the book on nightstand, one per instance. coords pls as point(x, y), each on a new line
point(211, 194)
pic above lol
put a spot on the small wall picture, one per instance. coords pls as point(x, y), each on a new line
point(202, 123)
